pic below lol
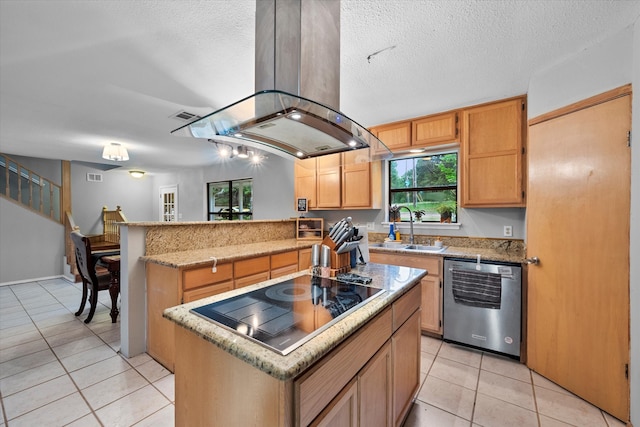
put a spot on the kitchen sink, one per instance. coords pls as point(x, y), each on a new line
point(400, 246)
point(425, 248)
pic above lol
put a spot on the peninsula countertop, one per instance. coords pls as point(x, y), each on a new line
point(395, 280)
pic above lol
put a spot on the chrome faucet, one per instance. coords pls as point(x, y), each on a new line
point(410, 222)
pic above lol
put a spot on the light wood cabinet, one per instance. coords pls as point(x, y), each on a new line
point(375, 390)
point(434, 130)
point(342, 411)
point(396, 136)
point(251, 271)
point(328, 181)
point(305, 182)
point(304, 259)
point(431, 304)
point(284, 263)
point(492, 154)
point(309, 228)
point(405, 350)
point(340, 181)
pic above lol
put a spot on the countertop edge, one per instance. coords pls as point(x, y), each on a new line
point(457, 252)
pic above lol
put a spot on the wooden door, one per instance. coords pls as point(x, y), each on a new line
point(578, 227)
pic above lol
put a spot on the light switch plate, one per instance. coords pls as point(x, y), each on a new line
point(508, 231)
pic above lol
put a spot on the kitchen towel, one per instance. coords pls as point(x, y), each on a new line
point(476, 289)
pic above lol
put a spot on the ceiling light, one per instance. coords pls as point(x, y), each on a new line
point(417, 150)
point(255, 158)
point(136, 174)
point(115, 152)
point(299, 154)
point(242, 152)
point(352, 143)
point(296, 116)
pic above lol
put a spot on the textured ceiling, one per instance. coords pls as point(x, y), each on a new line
point(76, 75)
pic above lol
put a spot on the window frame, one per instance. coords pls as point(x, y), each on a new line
point(388, 192)
point(228, 216)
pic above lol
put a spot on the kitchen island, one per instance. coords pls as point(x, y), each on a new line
point(364, 367)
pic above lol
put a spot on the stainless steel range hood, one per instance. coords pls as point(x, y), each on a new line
point(295, 107)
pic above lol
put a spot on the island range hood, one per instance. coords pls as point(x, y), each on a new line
point(295, 109)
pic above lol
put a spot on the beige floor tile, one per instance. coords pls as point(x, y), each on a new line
point(429, 344)
point(20, 364)
point(46, 308)
point(77, 346)
point(540, 381)
point(461, 354)
point(505, 366)
point(110, 335)
point(58, 413)
point(88, 420)
point(139, 359)
point(17, 329)
point(568, 408)
point(426, 360)
point(32, 398)
point(17, 322)
point(99, 371)
point(74, 333)
point(490, 412)
point(113, 388)
point(423, 415)
point(165, 417)
point(132, 408)
point(23, 349)
point(61, 328)
point(449, 397)
point(507, 389)
point(612, 421)
point(87, 357)
point(18, 339)
point(167, 386)
point(550, 422)
point(455, 372)
point(31, 377)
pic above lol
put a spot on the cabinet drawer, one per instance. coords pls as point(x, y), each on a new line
point(248, 267)
point(283, 271)
point(406, 306)
point(284, 259)
point(251, 280)
point(204, 276)
point(207, 291)
point(316, 389)
point(433, 264)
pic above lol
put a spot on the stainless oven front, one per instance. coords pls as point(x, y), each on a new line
point(483, 305)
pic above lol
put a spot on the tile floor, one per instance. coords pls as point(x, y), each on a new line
point(57, 371)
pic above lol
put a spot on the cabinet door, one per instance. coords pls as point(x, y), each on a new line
point(374, 390)
point(305, 181)
point(396, 136)
point(431, 318)
point(492, 155)
point(356, 180)
point(207, 291)
point(304, 259)
point(328, 181)
point(342, 411)
point(435, 130)
point(405, 350)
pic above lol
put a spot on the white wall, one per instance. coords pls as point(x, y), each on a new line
point(118, 188)
point(610, 64)
point(272, 187)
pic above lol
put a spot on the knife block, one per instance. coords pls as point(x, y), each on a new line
point(340, 263)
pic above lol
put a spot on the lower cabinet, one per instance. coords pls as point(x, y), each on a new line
point(431, 318)
point(342, 411)
point(405, 349)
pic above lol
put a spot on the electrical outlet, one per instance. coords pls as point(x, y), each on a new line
point(508, 231)
point(371, 226)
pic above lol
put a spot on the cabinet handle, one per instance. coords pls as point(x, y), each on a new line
point(533, 260)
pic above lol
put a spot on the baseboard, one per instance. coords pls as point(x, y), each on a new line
point(38, 279)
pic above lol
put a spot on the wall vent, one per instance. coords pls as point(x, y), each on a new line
point(94, 177)
point(184, 116)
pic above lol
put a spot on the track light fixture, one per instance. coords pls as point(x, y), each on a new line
point(226, 151)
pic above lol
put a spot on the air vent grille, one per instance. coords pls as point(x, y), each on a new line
point(185, 116)
point(94, 177)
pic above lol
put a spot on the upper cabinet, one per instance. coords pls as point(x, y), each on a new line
point(396, 136)
point(340, 181)
point(492, 154)
point(434, 130)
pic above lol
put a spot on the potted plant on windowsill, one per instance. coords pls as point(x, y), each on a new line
point(418, 215)
point(446, 210)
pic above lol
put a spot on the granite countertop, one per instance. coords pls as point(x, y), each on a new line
point(198, 257)
point(395, 280)
point(459, 252)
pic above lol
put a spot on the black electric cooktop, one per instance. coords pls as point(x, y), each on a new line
point(284, 316)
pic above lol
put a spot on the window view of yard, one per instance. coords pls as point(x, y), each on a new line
point(230, 200)
point(426, 184)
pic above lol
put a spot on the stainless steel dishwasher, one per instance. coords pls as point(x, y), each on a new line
point(483, 305)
